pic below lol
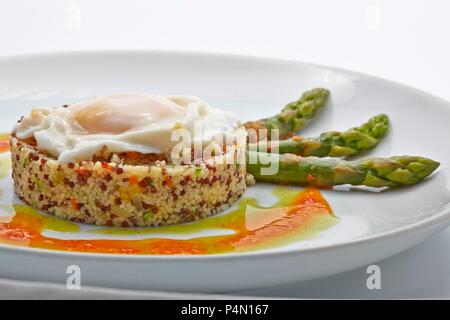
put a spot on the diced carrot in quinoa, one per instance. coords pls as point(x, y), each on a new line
point(74, 204)
point(106, 166)
point(169, 181)
point(133, 180)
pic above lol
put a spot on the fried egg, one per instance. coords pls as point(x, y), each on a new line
point(124, 122)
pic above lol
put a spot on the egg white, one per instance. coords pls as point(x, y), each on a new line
point(124, 122)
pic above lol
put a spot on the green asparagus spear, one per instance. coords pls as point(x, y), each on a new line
point(334, 143)
point(295, 115)
point(371, 172)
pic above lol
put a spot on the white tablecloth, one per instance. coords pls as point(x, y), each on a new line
point(14, 289)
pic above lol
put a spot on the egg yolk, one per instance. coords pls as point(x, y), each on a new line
point(122, 112)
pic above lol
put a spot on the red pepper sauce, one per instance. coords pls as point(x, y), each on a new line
point(4, 142)
point(300, 217)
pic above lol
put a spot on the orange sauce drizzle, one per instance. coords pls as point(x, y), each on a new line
point(4, 142)
point(299, 217)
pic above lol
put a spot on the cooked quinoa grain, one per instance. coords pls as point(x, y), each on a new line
point(123, 195)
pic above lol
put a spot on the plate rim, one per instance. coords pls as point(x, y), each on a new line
point(87, 52)
point(441, 217)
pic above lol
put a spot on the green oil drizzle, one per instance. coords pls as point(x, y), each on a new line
point(49, 222)
point(296, 215)
point(226, 220)
point(218, 222)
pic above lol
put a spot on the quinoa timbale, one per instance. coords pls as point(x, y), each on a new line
point(124, 193)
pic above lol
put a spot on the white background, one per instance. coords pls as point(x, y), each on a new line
point(405, 41)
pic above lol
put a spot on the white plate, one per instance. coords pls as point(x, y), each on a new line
point(372, 226)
